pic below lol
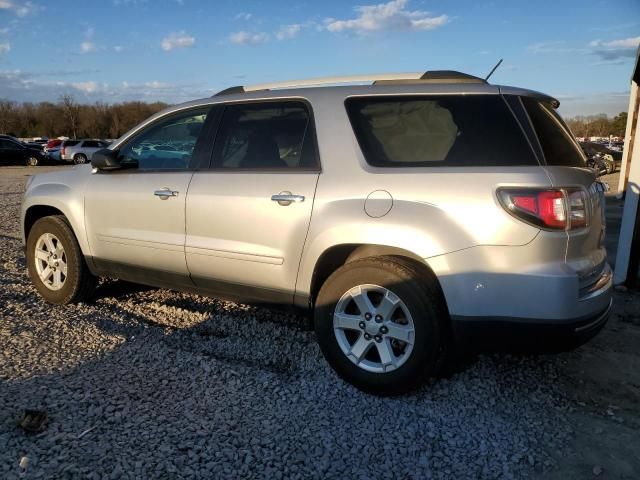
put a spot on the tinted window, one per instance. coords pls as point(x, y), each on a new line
point(443, 130)
point(168, 143)
point(265, 135)
point(7, 144)
point(558, 145)
point(91, 144)
point(71, 143)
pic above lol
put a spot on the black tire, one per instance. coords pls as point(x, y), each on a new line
point(611, 166)
point(79, 158)
point(420, 295)
point(79, 284)
point(31, 161)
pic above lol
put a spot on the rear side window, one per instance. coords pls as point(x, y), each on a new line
point(557, 144)
point(91, 144)
point(71, 143)
point(266, 135)
point(439, 131)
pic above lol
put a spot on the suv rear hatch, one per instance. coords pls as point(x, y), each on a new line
point(565, 164)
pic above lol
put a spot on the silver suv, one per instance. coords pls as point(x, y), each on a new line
point(401, 214)
point(80, 151)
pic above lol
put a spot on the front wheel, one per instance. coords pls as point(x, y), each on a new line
point(31, 161)
point(379, 325)
point(55, 262)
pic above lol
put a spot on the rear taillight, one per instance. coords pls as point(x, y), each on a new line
point(577, 202)
point(554, 209)
point(62, 151)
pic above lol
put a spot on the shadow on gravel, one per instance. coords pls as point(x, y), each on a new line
point(175, 384)
point(119, 288)
point(170, 384)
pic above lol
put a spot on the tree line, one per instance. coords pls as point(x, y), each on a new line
point(598, 125)
point(101, 120)
point(71, 119)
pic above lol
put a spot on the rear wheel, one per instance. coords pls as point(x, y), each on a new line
point(55, 262)
point(79, 158)
point(379, 325)
point(610, 166)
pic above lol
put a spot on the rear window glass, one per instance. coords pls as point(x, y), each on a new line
point(268, 135)
point(557, 144)
point(71, 143)
point(440, 130)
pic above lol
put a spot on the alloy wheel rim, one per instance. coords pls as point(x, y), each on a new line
point(50, 261)
point(32, 161)
point(374, 328)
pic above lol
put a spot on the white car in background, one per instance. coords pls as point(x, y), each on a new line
point(80, 151)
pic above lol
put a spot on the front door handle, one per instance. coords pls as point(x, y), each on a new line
point(287, 198)
point(165, 193)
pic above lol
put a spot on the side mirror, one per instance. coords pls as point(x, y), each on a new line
point(106, 159)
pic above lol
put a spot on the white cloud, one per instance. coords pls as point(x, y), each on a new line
point(552, 47)
point(177, 40)
point(615, 49)
point(288, 32)
point(623, 43)
point(386, 16)
point(87, 47)
point(611, 51)
point(21, 9)
point(247, 38)
point(244, 16)
point(118, 48)
point(157, 85)
point(128, 2)
point(5, 47)
point(86, 87)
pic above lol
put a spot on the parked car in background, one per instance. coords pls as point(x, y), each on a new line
point(53, 143)
point(612, 159)
point(381, 210)
point(80, 151)
point(14, 152)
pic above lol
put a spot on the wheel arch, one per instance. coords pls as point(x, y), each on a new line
point(35, 210)
point(337, 255)
point(35, 213)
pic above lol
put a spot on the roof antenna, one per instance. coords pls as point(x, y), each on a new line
point(493, 70)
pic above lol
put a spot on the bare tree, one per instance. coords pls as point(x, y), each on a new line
point(8, 113)
point(71, 112)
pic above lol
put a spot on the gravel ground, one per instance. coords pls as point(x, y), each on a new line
point(146, 383)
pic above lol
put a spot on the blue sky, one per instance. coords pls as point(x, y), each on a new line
point(174, 50)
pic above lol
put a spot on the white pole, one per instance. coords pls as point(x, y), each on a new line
point(631, 162)
point(626, 157)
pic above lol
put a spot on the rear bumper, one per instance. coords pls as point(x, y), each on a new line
point(526, 282)
point(539, 335)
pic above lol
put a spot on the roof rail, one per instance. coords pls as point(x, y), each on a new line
point(435, 76)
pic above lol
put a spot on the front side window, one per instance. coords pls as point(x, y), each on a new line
point(268, 135)
point(438, 130)
point(557, 143)
point(167, 144)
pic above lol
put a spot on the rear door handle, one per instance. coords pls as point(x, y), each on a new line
point(287, 198)
point(165, 193)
